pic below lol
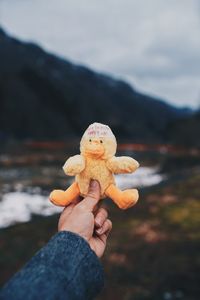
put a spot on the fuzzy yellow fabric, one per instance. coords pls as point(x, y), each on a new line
point(97, 161)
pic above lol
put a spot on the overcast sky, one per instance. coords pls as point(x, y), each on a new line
point(153, 44)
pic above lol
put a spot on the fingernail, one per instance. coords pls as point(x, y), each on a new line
point(98, 222)
point(99, 231)
point(93, 184)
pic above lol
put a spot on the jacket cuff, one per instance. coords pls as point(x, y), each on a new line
point(78, 264)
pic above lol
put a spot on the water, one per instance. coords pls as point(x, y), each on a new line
point(21, 203)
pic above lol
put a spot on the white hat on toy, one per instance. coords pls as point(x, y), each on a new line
point(98, 130)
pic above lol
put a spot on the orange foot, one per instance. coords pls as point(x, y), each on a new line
point(123, 199)
point(63, 198)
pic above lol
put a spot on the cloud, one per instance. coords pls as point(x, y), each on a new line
point(184, 91)
point(154, 44)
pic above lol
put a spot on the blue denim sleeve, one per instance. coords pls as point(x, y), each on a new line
point(66, 268)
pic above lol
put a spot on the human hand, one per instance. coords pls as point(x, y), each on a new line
point(84, 219)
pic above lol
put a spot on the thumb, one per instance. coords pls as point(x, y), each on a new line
point(92, 197)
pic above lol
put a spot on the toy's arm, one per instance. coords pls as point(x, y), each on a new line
point(74, 165)
point(123, 164)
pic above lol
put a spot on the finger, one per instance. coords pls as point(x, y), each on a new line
point(76, 200)
point(101, 216)
point(66, 212)
point(92, 197)
point(105, 228)
point(103, 236)
point(96, 208)
point(70, 206)
point(64, 215)
point(68, 209)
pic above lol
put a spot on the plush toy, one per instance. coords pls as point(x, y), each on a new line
point(97, 161)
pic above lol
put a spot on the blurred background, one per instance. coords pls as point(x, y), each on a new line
point(135, 66)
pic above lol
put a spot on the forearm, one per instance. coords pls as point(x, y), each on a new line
point(66, 268)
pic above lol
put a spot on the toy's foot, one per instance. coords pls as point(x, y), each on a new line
point(123, 199)
point(59, 198)
point(63, 198)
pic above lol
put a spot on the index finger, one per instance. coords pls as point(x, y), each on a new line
point(92, 198)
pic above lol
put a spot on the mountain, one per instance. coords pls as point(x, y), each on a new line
point(45, 97)
point(185, 131)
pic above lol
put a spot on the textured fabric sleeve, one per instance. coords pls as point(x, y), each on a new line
point(66, 268)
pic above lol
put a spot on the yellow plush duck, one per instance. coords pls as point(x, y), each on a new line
point(97, 161)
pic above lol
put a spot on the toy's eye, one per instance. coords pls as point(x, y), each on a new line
point(101, 141)
point(90, 140)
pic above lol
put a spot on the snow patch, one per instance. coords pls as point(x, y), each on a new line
point(17, 207)
point(144, 176)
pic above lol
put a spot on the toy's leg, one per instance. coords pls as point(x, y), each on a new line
point(123, 199)
point(63, 198)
